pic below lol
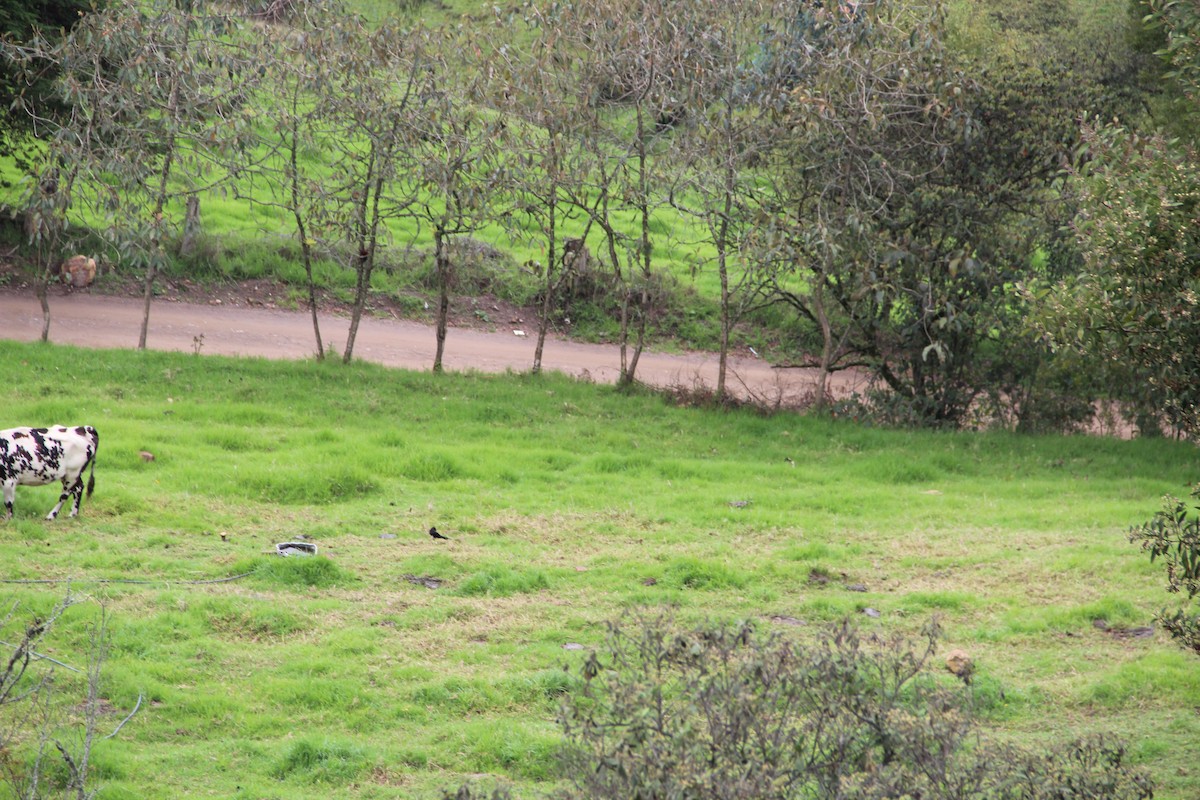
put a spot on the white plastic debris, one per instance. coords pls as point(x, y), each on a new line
point(296, 549)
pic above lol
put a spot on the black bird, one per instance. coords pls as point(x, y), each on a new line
point(434, 533)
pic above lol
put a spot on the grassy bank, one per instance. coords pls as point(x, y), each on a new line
point(565, 503)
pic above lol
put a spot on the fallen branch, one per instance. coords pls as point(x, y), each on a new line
point(117, 729)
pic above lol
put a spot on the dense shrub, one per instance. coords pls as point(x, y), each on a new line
point(722, 712)
point(1174, 535)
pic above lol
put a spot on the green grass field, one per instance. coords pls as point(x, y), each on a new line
point(337, 677)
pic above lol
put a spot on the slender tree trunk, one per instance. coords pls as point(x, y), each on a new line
point(41, 289)
point(306, 257)
point(361, 259)
point(160, 201)
point(551, 280)
point(827, 346)
point(38, 231)
point(442, 267)
point(301, 228)
point(644, 254)
point(726, 321)
point(365, 257)
point(722, 243)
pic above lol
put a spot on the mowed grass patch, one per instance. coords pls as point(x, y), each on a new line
point(565, 503)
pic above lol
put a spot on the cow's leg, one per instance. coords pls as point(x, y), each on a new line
point(76, 495)
point(62, 498)
point(10, 491)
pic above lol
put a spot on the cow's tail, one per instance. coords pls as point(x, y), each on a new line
point(92, 473)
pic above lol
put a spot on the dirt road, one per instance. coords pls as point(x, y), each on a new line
point(114, 322)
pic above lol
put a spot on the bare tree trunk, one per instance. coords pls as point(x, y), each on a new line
point(624, 335)
point(41, 291)
point(827, 346)
point(147, 294)
point(41, 285)
point(722, 243)
point(160, 202)
point(442, 267)
point(360, 299)
point(365, 257)
point(644, 255)
point(726, 319)
point(301, 228)
point(306, 256)
point(551, 281)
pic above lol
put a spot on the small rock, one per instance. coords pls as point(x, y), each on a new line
point(856, 587)
point(784, 619)
point(387, 536)
point(739, 503)
point(572, 646)
point(518, 333)
point(649, 581)
point(871, 612)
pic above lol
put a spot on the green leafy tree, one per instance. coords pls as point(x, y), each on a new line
point(1135, 307)
point(378, 93)
point(910, 195)
point(717, 144)
point(542, 98)
point(633, 59)
point(300, 65)
point(865, 208)
point(20, 21)
point(1180, 21)
point(155, 91)
point(458, 166)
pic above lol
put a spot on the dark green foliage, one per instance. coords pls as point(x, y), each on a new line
point(1174, 536)
point(1180, 23)
point(917, 184)
point(1134, 308)
point(20, 20)
point(722, 712)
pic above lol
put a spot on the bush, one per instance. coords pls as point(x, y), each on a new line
point(721, 712)
point(1174, 535)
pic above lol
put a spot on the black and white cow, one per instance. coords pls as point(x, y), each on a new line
point(37, 456)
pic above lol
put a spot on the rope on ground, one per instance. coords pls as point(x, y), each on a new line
point(125, 580)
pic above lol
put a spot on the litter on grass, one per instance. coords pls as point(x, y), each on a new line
point(296, 549)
